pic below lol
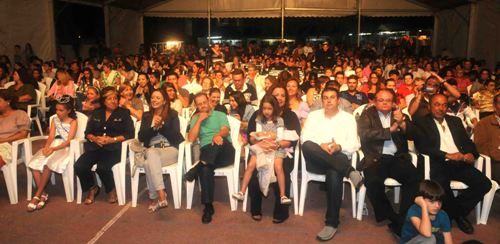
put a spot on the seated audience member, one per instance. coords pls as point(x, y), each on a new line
point(483, 99)
point(314, 93)
point(63, 86)
point(240, 109)
point(291, 122)
point(329, 153)
point(299, 107)
point(55, 155)
point(355, 97)
point(109, 77)
point(419, 105)
point(91, 101)
point(175, 102)
point(460, 108)
point(487, 138)
point(425, 222)
point(371, 87)
point(130, 102)
point(160, 133)
point(384, 142)
point(24, 92)
point(211, 128)
point(238, 84)
point(143, 89)
point(15, 125)
point(344, 104)
point(214, 97)
point(452, 155)
point(106, 128)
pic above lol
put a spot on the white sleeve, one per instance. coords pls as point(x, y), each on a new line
point(308, 130)
point(352, 141)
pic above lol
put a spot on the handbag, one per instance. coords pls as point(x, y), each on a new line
point(139, 154)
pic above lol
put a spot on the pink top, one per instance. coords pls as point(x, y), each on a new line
point(60, 90)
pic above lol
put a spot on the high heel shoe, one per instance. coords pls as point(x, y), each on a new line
point(93, 192)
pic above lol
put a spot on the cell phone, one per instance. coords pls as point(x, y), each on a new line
point(428, 89)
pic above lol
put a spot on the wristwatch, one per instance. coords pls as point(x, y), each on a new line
point(115, 139)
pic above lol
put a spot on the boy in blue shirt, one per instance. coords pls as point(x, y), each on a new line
point(425, 222)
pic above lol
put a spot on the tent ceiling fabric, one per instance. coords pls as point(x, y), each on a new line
point(271, 8)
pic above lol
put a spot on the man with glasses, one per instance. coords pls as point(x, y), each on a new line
point(383, 133)
point(329, 152)
point(452, 155)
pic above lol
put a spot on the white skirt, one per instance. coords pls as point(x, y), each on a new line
point(57, 161)
point(6, 152)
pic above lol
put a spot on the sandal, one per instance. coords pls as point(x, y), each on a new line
point(238, 196)
point(32, 206)
point(112, 197)
point(285, 200)
point(157, 205)
point(93, 192)
point(44, 199)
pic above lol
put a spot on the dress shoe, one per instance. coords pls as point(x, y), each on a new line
point(192, 173)
point(395, 229)
point(464, 225)
point(207, 214)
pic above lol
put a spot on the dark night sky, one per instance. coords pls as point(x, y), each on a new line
point(73, 20)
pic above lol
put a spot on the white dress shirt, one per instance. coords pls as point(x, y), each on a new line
point(341, 128)
point(389, 146)
point(445, 138)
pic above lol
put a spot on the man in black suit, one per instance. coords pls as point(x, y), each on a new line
point(452, 154)
point(382, 132)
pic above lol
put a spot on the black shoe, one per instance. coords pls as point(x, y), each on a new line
point(464, 225)
point(192, 173)
point(279, 221)
point(395, 230)
point(207, 214)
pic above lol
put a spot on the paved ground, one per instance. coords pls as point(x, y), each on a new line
point(62, 222)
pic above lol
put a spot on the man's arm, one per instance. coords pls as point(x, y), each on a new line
point(195, 129)
point(423, 224)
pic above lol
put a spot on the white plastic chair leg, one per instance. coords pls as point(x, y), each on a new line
point(361, 202)
point(67, 185)
point(78, 191)
point(397, 190)
point(487, 202)
point(244, 208)
point(175, 193)
point(353, 200)
point(134, 185)
point(230, 188)
point(189, 193)
point(303, 193)
point(118, 184)
point(53, 178)
point(39, 125)
point(8, 174)
point(29, 184)
point(295, 190)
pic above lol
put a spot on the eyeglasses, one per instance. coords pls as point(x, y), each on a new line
point(380, 100)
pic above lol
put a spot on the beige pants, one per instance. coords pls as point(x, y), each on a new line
point(156, 158)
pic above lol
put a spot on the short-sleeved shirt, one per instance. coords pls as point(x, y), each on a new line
point(210, 126)
point(25, 89)
point(17, 121)
point(439, 225)
point(359, 98)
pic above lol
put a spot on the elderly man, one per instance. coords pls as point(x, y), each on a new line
point(239, 84)
point(211, 128)
point(329, 138)
point(452, 154)
point(384, 143)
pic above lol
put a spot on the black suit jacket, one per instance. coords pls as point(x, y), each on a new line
point(428, 138)
point(119, 123)
point(373, 135)
point(170, 129)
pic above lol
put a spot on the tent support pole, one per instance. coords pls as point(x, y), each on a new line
point(209, 18)
point(358, 36)
point(282, 21)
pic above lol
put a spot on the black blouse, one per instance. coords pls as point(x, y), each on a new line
point(170, 129)
point(119, 123)
point(289, 118)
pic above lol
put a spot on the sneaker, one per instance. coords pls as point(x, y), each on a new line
point(326, 233)
point(285, 200)
point(356, 178)
point(238, 196)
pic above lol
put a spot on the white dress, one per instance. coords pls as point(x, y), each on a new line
point(58, 160)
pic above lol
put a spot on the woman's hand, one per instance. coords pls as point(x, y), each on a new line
point(157, 121)
point(47, 151)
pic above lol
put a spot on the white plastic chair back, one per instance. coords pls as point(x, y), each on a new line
point(9, 84)
point(357, 112)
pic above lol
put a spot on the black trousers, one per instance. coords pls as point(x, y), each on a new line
point(214, 156)
point(104, 160)
point(335, 167)
point(281, 211)
point(478, 185)
point(399, 168)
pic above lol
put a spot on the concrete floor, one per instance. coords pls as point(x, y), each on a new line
point(62, 222)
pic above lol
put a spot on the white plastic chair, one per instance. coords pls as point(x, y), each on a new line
point(358, 111)
point(231, 172)
point(390, 182)
point(8, 84)
point(488, 198)
point(68, 174)
point(118, 169)
point(43, 99)
point(35, 117)
point(294, 192)
point(308, 176)
point(174, 170)
point(10, 171)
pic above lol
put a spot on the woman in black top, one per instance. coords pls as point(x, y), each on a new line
point(160, 133)
point(291, 123)
point(106, 129)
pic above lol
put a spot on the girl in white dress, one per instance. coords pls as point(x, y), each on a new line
point(54, 156)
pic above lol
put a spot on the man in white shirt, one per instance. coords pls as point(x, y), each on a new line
point(329, 138)
point(452, 155)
